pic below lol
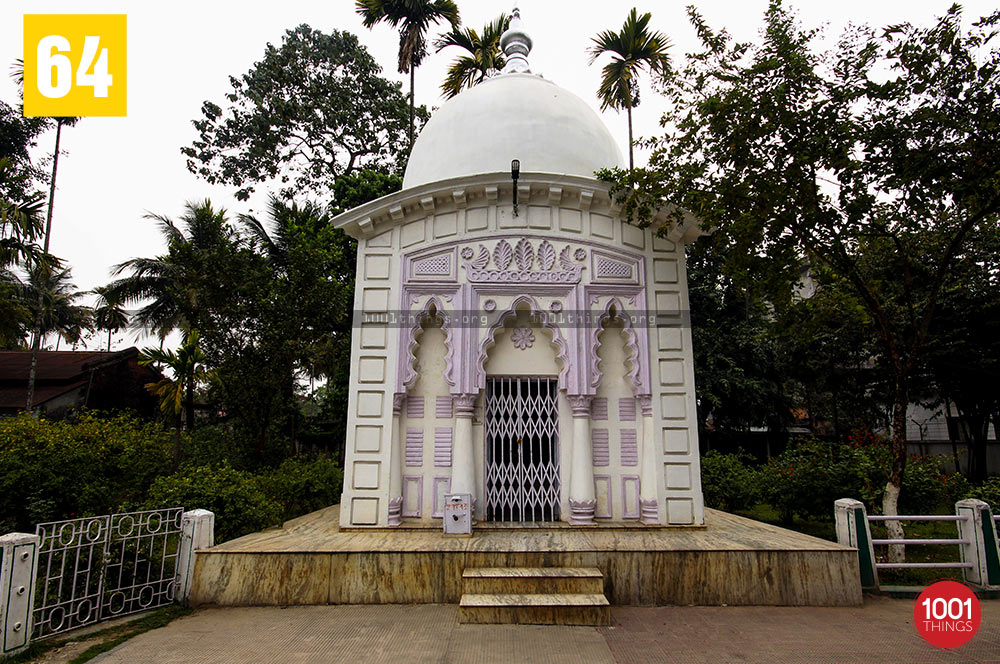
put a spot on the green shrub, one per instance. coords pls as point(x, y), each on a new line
point(302, 485)
point(728, 481)
point(809, 476)
point(989, 492)
point(236, 497)
point(52, 470)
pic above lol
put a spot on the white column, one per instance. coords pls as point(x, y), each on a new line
point(197, 532)
point(463, 465)
point(396, 462)
point(582, 498)
point(649, 501)
point(18, 571)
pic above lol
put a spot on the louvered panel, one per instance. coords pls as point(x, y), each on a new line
point(599, 408)
point(414, 407)
point(599, 441)
point(629, 448)
point(414, 453)
point(443, 409)
point(522, 468)
point(626, 409)
point(442, 446)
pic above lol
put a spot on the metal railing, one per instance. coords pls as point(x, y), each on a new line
point(102, 567)
point(925, 541)
point(977, 541)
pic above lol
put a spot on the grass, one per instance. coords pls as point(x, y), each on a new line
point(110, 637)
point(938, 553)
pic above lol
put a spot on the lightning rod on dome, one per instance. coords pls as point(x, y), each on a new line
point(516, 45)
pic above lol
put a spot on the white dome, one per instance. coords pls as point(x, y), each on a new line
point(512, 116)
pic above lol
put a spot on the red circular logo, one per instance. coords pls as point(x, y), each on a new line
point(947, 614)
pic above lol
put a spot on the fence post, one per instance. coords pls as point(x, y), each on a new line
point(197, 532)
point(982, 551)
point(853, 530)
point(18, 568)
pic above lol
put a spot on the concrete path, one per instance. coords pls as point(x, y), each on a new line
point(881, 632)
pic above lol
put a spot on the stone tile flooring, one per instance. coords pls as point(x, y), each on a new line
point(880, 631)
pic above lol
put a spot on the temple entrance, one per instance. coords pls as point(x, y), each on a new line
point(522, 449)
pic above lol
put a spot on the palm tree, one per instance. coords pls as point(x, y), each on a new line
point(50, 296)
point(17, 73)
point(634, 48)
point(109, 314)
point(483, 61)
point(414, 18)
point(176, 394)
point(174, 286)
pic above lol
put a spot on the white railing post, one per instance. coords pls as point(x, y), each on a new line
point(853, 530)
point(18, 568)
point(197, 532)
point(982, 551)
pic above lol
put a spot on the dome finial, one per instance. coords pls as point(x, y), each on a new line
point(516, 45)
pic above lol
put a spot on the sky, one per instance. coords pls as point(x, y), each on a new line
point(113, 171)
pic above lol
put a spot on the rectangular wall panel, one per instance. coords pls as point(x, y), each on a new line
point(602, 491)
point(443, 408)
point(626, 409)
point(442, 485)
point(630, 497)
point(599, 409)
point(413, 495)
point(414, 407)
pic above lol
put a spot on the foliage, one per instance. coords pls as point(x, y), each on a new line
point(988, 492)
point(302, 485)
point(60, 469)
point(413, 18)
point(188, 371)
point(235, 496)
point(50, 297)
point(876, 160)
point(484, 57)
point(728, 481)
point(735, 352)
point(634, 48)
point(311, 110)
point(109, 314)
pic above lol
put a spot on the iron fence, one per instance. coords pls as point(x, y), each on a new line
point(102, 567)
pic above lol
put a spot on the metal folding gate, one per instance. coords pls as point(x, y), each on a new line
point(522, 449)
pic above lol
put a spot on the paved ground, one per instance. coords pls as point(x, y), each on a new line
point(881, 632)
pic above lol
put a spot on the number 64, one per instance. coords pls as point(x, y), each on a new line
point(100, 79)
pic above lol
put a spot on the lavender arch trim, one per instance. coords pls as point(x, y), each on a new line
point(639, 361)
point(566, 356)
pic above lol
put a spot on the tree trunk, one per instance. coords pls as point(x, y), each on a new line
point(109, 340)
point(631, 159)
point(36, 342)
point(177, 445)
point(189, 403)
point(412, 72)
point(890, 502)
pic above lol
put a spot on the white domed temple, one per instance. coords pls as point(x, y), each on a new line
point(520, 349)
point(533, 354)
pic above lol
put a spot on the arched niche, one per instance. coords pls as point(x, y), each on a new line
point(523, 341)
point(432, 316)
point(616, 317)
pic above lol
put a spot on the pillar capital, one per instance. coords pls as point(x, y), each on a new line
point(646, 403)
point(465, 405)
point(398, 399)
point(580, 403)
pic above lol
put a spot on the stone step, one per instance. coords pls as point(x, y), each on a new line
point(532, 580)
point(535, 609)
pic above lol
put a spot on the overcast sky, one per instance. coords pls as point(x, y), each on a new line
point(181, 53)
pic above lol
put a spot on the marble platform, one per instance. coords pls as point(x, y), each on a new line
point(730, 560)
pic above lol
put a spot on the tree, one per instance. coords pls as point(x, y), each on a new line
point(183, 287)
point(634, 49)
point(49, 287)
point(109, 314)
point(176, 394)
point(17, 73)
point(413, 18)
point(484, 57)
point(313, 109)
point(876, 160)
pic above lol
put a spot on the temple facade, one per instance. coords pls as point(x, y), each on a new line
point(514, 338)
